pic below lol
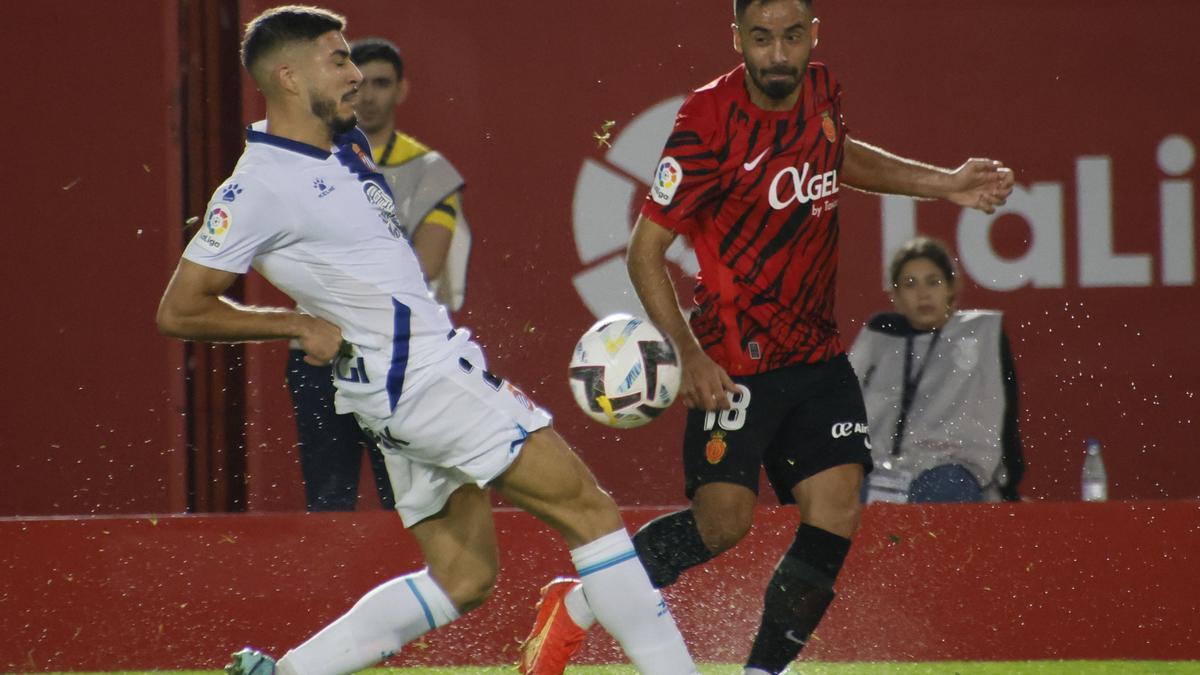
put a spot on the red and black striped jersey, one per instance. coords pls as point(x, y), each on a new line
point(756, 192)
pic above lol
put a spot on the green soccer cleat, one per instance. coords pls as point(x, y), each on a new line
point(250, 661)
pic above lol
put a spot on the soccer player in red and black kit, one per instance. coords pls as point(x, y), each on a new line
point(751, 175)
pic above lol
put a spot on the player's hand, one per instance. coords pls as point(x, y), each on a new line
point(703, 383)
point(319, 339)
point(983, 184)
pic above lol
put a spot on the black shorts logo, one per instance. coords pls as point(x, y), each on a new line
point(714, 450)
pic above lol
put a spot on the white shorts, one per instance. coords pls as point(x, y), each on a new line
point(461, 425)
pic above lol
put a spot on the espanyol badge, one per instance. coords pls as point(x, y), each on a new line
point(382, 200)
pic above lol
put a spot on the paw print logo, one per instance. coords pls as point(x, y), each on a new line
point(230, 192)
point(321, 187)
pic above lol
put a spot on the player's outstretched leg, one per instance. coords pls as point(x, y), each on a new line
point(549, 481)
point(667, 546)
point(459, 544)
point(801, 588)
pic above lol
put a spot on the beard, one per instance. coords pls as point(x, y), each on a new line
point(326, 110)
point(775, 89)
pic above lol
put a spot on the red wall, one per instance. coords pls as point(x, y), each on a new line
point(950, 582)
point(512, 93)
point(92, 415)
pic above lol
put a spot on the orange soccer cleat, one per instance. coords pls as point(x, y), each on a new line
point(555, 638)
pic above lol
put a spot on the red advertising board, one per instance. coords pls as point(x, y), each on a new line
point(922, 583)
point(1092, 261)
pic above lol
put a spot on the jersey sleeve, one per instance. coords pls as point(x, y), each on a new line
point(688, 175)
point(243, 219)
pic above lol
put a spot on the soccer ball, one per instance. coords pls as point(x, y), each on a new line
point(624, 372)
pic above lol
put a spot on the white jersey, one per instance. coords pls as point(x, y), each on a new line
point(321, 225)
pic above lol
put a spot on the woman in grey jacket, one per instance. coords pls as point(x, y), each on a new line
point(940, 390)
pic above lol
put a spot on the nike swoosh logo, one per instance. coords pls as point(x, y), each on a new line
point(792, 636)
point(749, 166)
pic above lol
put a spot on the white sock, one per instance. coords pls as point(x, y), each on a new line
point(629, 607)
point(578, 608)
point(755, 671)
point(388, 617)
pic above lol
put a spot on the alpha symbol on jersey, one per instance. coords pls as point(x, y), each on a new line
point(804, 188)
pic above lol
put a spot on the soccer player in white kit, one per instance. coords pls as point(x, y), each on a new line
point(307, 209)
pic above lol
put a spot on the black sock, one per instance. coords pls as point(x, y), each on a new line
point(669, 545)
point(797, 596)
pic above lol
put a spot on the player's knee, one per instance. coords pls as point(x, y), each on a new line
point(724, 513)
point(596, 501)
point(587, 502)
point(594, 511)
point(723, 529)
point(849, 515)
point(581, 510)
point(839, 515)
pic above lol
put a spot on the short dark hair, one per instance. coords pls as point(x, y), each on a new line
point(739, 7)
point(279, 26)
point(923, 247)
point(371, 49)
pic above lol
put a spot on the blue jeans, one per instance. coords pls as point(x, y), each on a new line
point(945, 483)
point(331, 445)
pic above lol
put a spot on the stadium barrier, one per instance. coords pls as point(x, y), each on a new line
point(974, 582)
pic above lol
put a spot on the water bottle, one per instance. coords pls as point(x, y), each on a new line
point(1095, 479)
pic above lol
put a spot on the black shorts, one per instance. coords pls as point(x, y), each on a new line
point(794, 422)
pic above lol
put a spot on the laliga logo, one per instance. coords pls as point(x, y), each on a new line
point(218, 220)
point(668, 175)
point(608, 196)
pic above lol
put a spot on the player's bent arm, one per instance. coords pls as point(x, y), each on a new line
point(192, 309)
point(647, 263)
point(871, 169)
point(980, 184)
point(704, 382)
point(431, 243)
